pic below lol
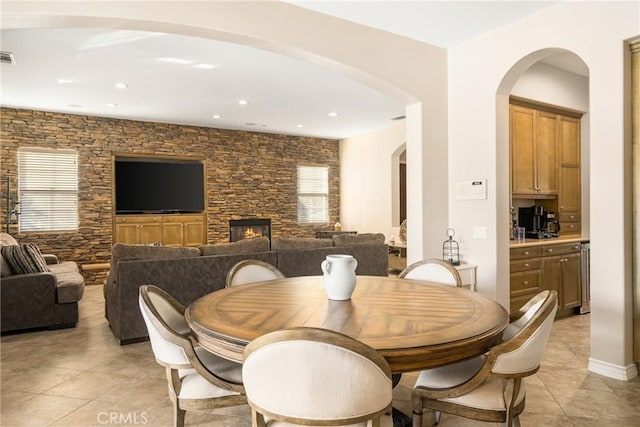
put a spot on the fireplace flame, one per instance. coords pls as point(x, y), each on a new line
point(250, 233)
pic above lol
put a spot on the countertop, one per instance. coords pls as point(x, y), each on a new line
point(553, 241)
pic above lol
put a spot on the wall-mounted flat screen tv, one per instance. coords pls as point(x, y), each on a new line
point(158, 185)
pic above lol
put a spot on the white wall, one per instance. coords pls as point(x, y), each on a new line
point(366, 179)
point(481, 75)
point(552, 85)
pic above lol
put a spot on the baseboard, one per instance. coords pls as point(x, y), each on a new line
point(623, 373)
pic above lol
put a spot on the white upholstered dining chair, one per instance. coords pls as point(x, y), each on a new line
point(432, 270)
point(250, 271)
point(197, 379)
point(311, 376)
point(490, 388)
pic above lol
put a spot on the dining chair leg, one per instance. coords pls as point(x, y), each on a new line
point(178, 415)
point(425, 417)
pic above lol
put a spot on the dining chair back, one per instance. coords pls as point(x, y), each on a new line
point(490, 388)
point(251, 271)
point(432, 270)
point(311, 376)
point(197, 379)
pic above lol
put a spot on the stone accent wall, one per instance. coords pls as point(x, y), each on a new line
point(249, 174)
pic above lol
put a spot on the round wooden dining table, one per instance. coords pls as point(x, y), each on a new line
point(413, 324)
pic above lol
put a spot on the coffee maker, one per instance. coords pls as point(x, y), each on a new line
point(538, 222)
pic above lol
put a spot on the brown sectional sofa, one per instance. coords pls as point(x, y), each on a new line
point(189, 273)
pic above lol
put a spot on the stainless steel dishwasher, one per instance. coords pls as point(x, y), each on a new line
point(585, 250)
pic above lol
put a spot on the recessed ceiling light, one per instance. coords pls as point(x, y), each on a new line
point(111, 104)
point(243, 102)
point(299, 126)
point(64, 81)
point(250, 124)
point(122, 85)
point(332, 114)
point(216, 116)
point(173, 60)
point(204, 66)
point(74, 105)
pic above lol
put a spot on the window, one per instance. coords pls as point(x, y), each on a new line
point(48, 187)
point(313, 194)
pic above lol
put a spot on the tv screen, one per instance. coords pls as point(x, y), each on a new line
point(158, 185)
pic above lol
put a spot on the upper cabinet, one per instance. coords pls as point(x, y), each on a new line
point(534, 152)
point(545, 160)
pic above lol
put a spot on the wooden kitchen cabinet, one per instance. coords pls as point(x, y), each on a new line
point(553, 267)
point(183, 230)
point(561, 272)
point(167, 230)
point(569, 194)
point(525, 279)
point(137, 229)
point(534, 152)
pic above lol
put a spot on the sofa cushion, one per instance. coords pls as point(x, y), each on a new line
point(69, 282)
point(23, 259)
point(358, 239)
point(285, 243)
point(6, 239)
point(125, 252)
point(257, 244)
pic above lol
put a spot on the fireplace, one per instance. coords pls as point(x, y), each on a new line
point(240, 229)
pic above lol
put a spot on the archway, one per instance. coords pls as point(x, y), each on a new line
point(537, 78)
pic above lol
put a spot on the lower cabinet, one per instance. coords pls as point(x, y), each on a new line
point(554, 267)
point(183, 230)
point(133, 229)
point(168, 230)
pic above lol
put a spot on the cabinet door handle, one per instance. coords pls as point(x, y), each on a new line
point(526, 282)
point(526, 253)
point(526, 265)
point(550, 250)
point(571, 216)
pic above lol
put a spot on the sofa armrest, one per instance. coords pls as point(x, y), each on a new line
point(50, 259)
point(27, 300)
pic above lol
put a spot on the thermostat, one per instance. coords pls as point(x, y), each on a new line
point(473, 189)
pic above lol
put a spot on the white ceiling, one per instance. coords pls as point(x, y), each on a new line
point(284, 94)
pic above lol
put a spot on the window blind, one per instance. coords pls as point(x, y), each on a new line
point(313, 194)
point(48, 187)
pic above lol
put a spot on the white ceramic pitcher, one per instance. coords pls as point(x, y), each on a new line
point(339, 272)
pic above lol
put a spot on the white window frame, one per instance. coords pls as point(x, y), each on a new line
point(48, 188)
point(313, 194)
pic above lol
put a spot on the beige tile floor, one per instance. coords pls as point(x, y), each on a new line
point(82, 377)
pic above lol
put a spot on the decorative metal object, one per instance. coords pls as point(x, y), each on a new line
point(451, 249)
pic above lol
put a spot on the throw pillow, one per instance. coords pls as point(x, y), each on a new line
point(23, 259)
point(7, 239)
